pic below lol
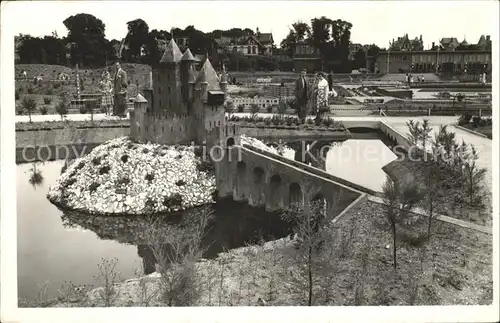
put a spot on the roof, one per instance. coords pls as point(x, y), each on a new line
point(199, 57)
point(265, 38)
point(140, 99)
point(223, 41)
point(187, 56)
point(208, 75)
point(172, 53)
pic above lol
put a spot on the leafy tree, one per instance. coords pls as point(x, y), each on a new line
point(229, 108)
point(63, 106)
point(88, 45)
point(320, 34)
point(359, 59)
point(29, 105)
point(254, 109)
point(136, 40)
point(299, 32)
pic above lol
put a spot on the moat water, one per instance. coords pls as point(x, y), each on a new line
point(58, 247)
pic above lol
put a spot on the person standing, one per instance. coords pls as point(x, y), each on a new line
point(106, 88)
point(330, 81)
point(302, 95)
point(120, 91)
point(321, 88)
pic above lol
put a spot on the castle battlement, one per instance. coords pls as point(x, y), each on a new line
point(182, 106)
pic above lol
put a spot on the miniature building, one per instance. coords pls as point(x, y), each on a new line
point(183, 106)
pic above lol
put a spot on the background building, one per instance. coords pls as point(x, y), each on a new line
point(261, 102)
point(306, 57)
point(406, 44)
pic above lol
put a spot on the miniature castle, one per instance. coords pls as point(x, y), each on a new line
point(183, 106)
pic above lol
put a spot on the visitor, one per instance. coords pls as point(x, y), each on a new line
point(422, 79)
point(330, 81)
point(106, 88)
point(120, 91)
point(321, 88)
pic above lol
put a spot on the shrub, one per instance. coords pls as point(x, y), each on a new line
point(205, 166)
point(489, 122)
point(149, 177)
point(310, 121)
point(96, 161)
point(17, 95)
point(83, 109)
point(104, 170)
point(267, 121)
point(49, 92)
point(241, 108)
point(173, 200)
point(269, 109)
point(475, 121)
point(30, 90)
point(464, 119)
point(93, 187)
point(482, 122)
point(47, 100)
point(57, 85)
point(43, 110)
point(180, 182)
point(124, 158)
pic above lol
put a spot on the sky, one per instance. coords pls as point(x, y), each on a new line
point(375, 22)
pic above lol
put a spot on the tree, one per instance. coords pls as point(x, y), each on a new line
point(254, 110)
point(474, 176)
point(63, 105)
point(320, 34)
point(229, 108)
point(399, 198)
point(298, 33)
point(315, 263)
point(88, 45)
point(176, 249)
point(29, 105)
point(282, 106)
point(359, 59)
point(136, 40)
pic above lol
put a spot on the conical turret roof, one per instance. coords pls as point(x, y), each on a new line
point(172, 53)
point(208, 75)
point(140, 99)
point(188, 56)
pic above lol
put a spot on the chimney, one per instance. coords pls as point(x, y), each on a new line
point(488, 38)
point(433, 44)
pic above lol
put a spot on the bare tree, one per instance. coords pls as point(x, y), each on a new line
point(177, 248)
point(312, 259)
point(107, 278)
point(399, 198)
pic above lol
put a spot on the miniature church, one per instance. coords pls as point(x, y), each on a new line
point(183, 106)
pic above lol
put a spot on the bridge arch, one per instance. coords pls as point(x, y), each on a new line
point(241, 187)
point(295, 195)
point(257, 195)
point(230, 142)
point(275, 200)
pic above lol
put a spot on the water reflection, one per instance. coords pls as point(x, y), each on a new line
point(233, 225)
point(36, 178)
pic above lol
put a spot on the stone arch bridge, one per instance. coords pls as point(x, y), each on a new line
point(265, 179)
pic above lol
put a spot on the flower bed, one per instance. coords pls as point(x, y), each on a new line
point(54, 125)
point(288, 122)
point(121, 177)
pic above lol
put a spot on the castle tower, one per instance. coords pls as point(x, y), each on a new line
point(187, 75)
point(210, 99)
point(223, 79)
point(167, 82)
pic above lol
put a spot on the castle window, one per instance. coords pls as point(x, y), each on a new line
point(181, 128)
point(210, 124)
point(159, 89)
point(169, 90)
point(162, 128)
point(218, 123)
point(171, 129)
